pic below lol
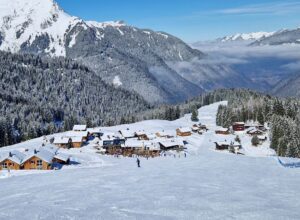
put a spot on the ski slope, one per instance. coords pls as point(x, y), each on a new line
point(204, 185)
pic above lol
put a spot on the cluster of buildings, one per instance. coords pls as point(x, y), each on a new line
point(250, 128)
point(45, 158)
point(142, 143)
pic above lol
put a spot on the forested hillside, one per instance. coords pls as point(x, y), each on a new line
point(40, 96)
point(283, 116)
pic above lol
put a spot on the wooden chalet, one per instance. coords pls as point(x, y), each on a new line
point(113, 146)
point(140, 148)
point(223, 131)
point(11, 161)
point(63, 142)
point(238, 126)
point(254, 132)
point(222, 145)
point(141, 135)
point(171, 145)
point(183, 132)
point(79, 128)
point(77, 141)
point(164, 134)
point(95, 132)
point(127, 134)
point(38, 160)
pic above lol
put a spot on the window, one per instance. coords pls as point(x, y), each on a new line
point(32, 162)
point(4, 165)
point(39, 164)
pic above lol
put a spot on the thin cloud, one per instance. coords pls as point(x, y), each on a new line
point(267, 8)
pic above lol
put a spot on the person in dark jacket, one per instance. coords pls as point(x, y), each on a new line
point(138, 162)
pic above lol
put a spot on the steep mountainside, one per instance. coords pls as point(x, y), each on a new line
point(135, 59)
point(280, 38)
point(38, 94)
point(289, 87)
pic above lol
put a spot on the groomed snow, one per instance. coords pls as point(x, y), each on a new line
point(204, 185)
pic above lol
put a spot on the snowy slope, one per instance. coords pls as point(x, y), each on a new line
point(205, 185)
point(246, 36)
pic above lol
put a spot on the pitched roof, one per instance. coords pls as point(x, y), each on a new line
point(76, 139)
point(14, 156)
point(171, 143)
point(127, 133)
point(62, 156)
point(61, 140)
point(184, 130)
point(79, 127)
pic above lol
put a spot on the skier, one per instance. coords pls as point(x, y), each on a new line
point(138, 162)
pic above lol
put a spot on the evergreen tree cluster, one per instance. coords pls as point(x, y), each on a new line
point(282, 115)
point(40, 96)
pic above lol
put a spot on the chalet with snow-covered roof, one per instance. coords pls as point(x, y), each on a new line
point(141, 135)
point(254, 132)
point(63, 142)
point(95, 132)
point(171, 145)
point(38, 160)
point(11, 160)
point(223, 131)
point(238, 126)
point(262, 138)
point(183, 132)
point(164, 134)
point(79, 128)
point(222, 145)
point(127, 134)
point(61, 158)
point(77, 141)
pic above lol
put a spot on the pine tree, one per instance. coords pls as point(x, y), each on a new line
point(194, 116)
point(255, 141)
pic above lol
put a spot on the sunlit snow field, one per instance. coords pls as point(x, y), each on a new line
point(205, 185)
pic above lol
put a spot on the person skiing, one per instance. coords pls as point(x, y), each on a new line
point(138, 162)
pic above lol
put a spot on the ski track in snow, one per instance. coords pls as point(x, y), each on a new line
point(205, 185)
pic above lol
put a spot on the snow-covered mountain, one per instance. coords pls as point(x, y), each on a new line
point(280, 38)
point(246, 36)
point(141, 60)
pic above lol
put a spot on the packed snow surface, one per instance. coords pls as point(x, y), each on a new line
point(204, 185)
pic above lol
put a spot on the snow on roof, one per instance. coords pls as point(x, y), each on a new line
point(262, 137)
point(61, 156)
point(61, 140)
point(151, 136)
point(239, 123)
point(127, 133)
point(184, 130)
point(221, 143)
point(94, 130)
point(140, 133)
point(76, 139)
point(79, 128)
point(134, 143)
point(171, 143)
point(14, 156)
point(164, 133)
point(254, 130)
point(76, 134)
point(42, 154)
point(50, 147)
point(222, 129)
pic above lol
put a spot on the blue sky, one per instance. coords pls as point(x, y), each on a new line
point(192, 20)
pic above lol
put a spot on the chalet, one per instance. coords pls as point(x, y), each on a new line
point(127, 134)
point(77, 141)
point(11, 161)
point(171, 145)
point(113, 146)
point(183, 132)
point(95, 132)
point(223, 131)
point(83, 134)
point(222, 145)
point(196, 128)
point(61, 158)
point(163, 134)
point(254, 132)
point(38, 160)
point(79, 128)
point(238, 126)
point(141, 135)
point(63, 142)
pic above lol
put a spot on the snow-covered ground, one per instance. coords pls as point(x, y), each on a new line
point(205, 185)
